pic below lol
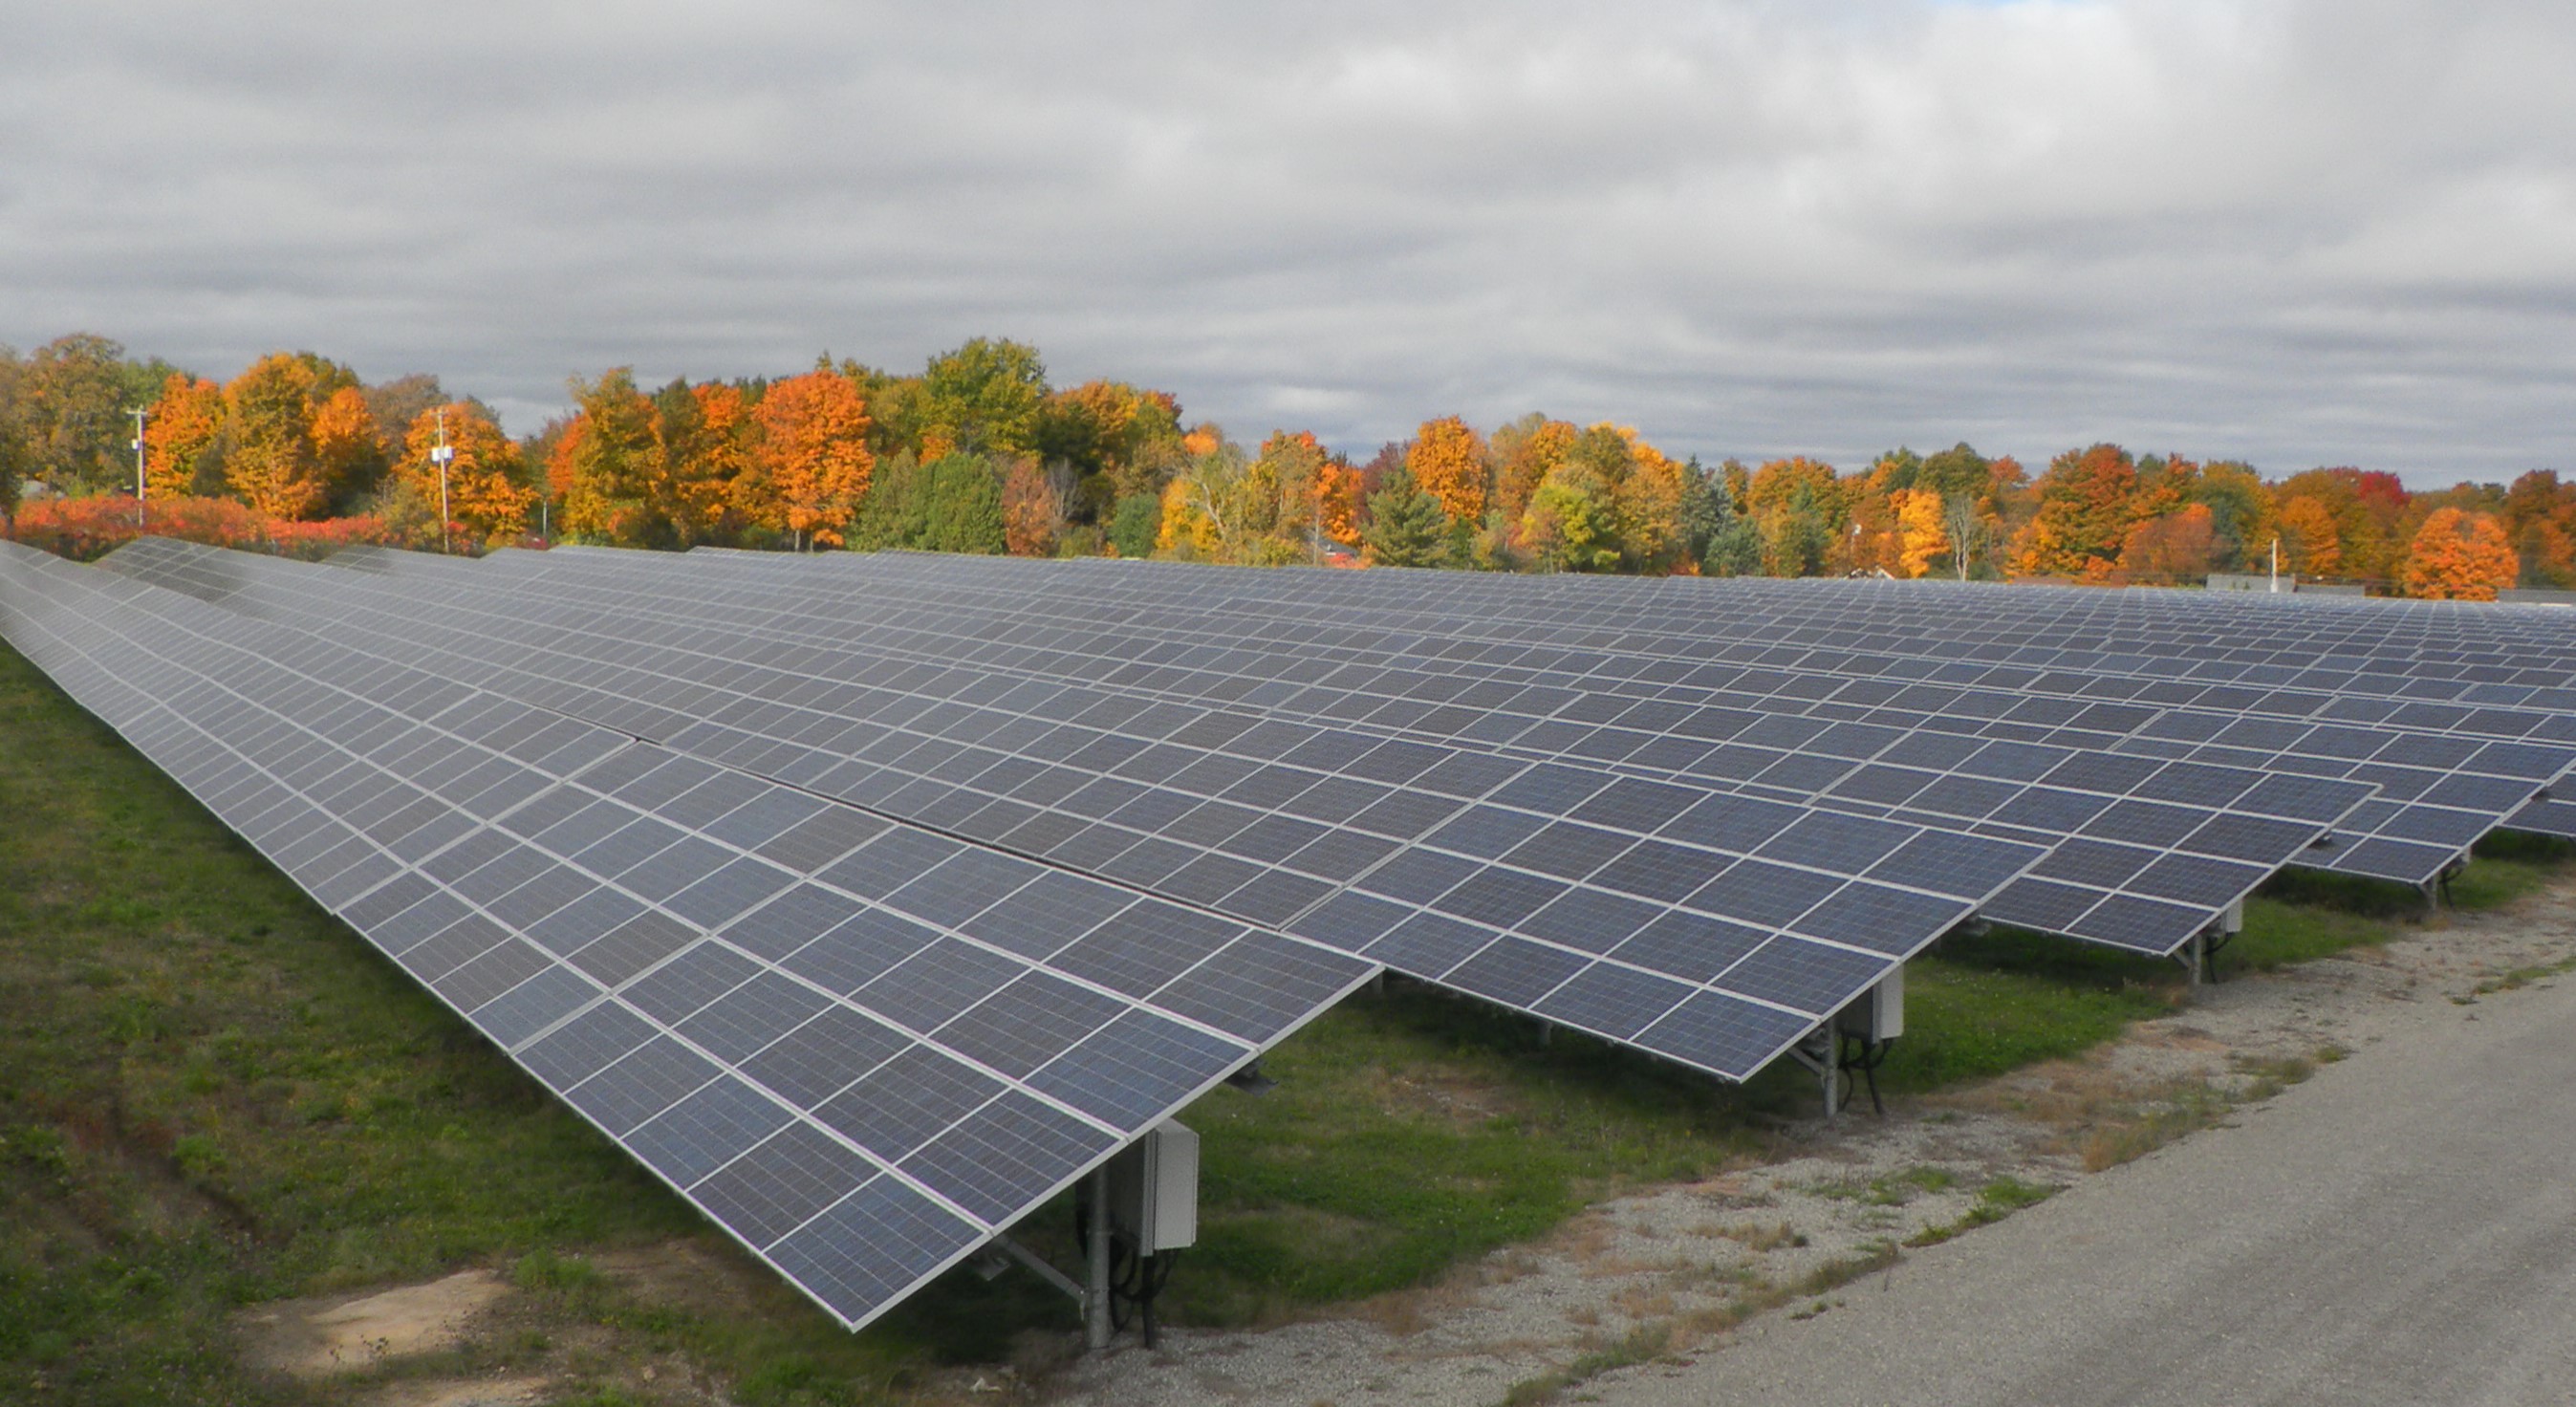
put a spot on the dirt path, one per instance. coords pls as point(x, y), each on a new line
point(1669, 1275)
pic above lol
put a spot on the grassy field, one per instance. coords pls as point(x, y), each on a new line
point(212, 1095)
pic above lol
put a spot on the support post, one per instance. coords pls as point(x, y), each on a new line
point(1831, 1068)
point(1095, 1293)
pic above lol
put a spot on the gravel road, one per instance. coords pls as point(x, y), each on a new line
point(2402, 1229)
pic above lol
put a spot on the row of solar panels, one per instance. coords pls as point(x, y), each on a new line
point(1091, 783)
point(863, 1046)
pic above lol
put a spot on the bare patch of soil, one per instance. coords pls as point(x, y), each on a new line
point(357, 1333)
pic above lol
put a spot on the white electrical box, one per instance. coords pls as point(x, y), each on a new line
point(1879, 1013)
point(1154, 1188)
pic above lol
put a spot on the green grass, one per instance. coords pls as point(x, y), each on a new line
point(212, 1095)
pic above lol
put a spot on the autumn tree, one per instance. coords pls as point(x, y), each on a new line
point(602, 468)
point(2540, 517)
point(1189, 529)
point(1033, 505)
point(1572, 524)
point(1923, 532)
point(487, 492)
point(346, 447)
point(1119, 439)
point(2087, 504)
point(1448, 462)
point(2172, 548)
point(701, 462)
point(2369, 509)
point(1295, 468)
point(2310, 545)
point(2240, 515)
point(182, 429)
point(811, 454)
point(1523, 452)
point(2460, 556)
point(1798, 506)
point(273, 461)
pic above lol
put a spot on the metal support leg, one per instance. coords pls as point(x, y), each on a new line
point(1095, 1294)
point(2195, 956)
point(1831, 1068)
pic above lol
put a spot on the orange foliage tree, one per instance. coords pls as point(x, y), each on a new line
point(1922, 530)
point(2310, 544)
point(2460, 556)
point(1448, 461)
point(812, 453)
point(1337, 501)
point(1523, 452)
point(1033, 505)
point(487, 490)
point(273, 464)
point(2172, 548)
point(184, 423)
point(345, 443)
point(2085, 513)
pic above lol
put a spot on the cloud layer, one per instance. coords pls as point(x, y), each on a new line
point(2295, 233)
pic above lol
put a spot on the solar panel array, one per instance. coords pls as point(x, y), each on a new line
point(871, 901)
point(2444, 775)
point(2143, 853)
point(861, 1048)
point(1712, 930)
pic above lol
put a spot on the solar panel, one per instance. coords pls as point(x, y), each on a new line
point(859, 1093)
point(2433, 802)
point(2027, 792)
point(1088, 779)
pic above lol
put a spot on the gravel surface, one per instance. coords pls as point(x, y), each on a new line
point(1681, 1275)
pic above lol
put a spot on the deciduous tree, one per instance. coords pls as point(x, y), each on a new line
point(2460, 556)
point(2310, 546)
point(1922, 532)
point(2173, 548)
point(488, 495)
point(1448, 461)
point(812, 454)
point(1033, 505)
point(184, 424)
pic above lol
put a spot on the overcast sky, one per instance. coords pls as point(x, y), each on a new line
point(2300, 234)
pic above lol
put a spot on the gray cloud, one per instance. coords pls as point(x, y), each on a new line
point(2299, 233)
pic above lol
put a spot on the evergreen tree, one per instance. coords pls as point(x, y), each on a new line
point(1406, 526)
point(963, 507)
point(1134, 524)
point(896, 511)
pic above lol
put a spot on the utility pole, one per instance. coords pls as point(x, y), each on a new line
point(442, 455)
point(2276, 566)
point(139, 417)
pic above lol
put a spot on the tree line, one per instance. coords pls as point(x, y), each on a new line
point(979, 452)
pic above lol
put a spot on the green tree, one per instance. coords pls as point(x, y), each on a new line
point(1705, 509)
point(983, 398)
point(608, 459)
point(1571, 523)
point(963, 507)
point(896, 510)
point(1135, 523)
point(73, 399)
point(1406, 527)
